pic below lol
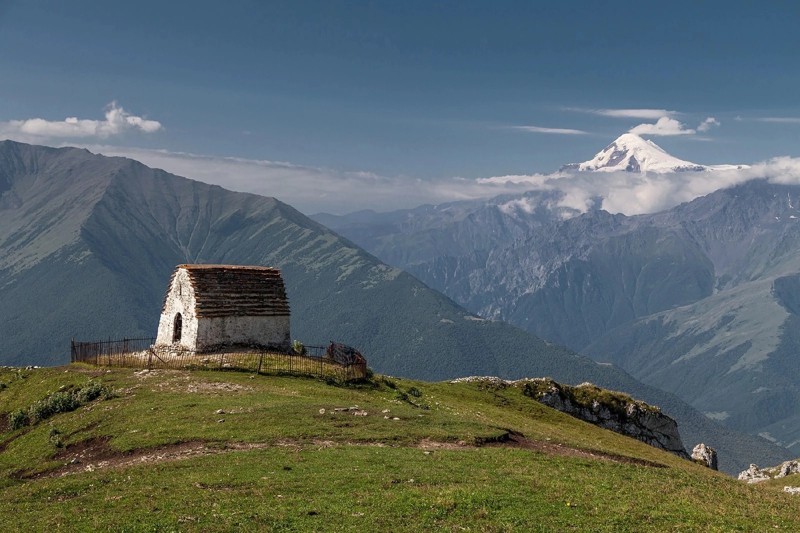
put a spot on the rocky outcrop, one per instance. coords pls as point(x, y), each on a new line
point(705, 455)
point(611, 410)
point(754, 474)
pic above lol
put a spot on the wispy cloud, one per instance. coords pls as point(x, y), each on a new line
point(780, 120)
point(663, 126)
point(116, 121)
point(554, 131)
point(640, 113)
point(707, 124)
point(307, 188)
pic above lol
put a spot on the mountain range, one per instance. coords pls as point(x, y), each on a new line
point(701, 299)
point(88, 243)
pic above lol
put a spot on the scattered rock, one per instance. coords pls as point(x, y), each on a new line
point(219, 412)
point(792, 490)
point(359, 413)
point(705, 455)
point(220, 421)
point(756, 475)
point(322, 411)
point(753, 475)
point(787, 468)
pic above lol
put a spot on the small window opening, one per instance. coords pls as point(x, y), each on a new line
point(177, 327)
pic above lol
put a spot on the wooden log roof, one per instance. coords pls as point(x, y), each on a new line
point(234, 290)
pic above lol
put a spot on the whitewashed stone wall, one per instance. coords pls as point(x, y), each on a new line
point(269, 331)
point(180, 299)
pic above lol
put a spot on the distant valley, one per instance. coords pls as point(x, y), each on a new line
point(700, 300)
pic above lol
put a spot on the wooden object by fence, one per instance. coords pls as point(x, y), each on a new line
point(139, 353)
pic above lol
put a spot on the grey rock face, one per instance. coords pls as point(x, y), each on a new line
point(610, 410)
point(705, 455)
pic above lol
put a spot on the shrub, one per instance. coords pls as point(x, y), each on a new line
point(55, 438)
point(299, 348)
point(18, 419)
point(65, 400)
point(415, 392)
point(90, 392)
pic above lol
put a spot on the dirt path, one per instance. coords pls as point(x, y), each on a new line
point(96, 453)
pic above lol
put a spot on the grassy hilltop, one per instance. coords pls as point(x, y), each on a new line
point(214, 451)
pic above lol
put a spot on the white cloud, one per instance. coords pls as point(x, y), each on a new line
point(556, 131)
point(707, 124)
point(117, 121)
point(663, 126)
point(646, 114)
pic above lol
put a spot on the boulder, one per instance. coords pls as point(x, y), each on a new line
point(787, 468)
point(705, 455)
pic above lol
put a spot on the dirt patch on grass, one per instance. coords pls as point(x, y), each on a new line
point(516, 440)
point(185, 381)
point(96, 454)
point(428, 444)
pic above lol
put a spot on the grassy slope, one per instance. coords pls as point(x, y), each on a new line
point(336, 471)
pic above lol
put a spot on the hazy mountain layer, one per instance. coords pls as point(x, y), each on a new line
point(701, 299)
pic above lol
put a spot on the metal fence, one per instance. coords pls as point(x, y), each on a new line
point(140, 353)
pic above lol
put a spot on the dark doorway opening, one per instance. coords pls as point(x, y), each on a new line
point(177, 328)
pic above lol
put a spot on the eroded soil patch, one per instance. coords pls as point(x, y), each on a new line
point(96, 453)
point(516, 440)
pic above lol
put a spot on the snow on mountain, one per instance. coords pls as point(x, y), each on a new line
point(631, 153)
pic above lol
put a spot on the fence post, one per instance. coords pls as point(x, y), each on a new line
point(221, 360)
point(260, 360)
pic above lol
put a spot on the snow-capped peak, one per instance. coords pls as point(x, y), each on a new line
point(631, 153)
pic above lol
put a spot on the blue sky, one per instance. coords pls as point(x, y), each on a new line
point(420, 92)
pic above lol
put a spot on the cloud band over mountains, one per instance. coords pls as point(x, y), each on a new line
point(314, 189)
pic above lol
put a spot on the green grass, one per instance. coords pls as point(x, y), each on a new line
point(333, 470)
